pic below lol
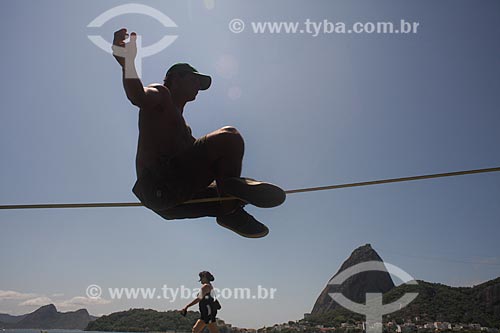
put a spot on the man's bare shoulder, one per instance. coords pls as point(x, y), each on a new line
point(159, 88)
point(160, 95)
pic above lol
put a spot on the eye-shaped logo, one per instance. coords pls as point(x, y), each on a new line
point(133, 8)
point(373, 309)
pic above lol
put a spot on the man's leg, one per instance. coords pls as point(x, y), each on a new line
point(215, 156)
point(218, 156)
point(224, 151)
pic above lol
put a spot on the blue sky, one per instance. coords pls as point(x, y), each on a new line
point(313, 111)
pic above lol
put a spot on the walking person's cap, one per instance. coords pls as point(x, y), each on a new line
point(206, 274)
point(182, 67)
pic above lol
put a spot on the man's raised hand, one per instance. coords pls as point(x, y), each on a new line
point(123, 52)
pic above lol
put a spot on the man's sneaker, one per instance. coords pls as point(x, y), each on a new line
point(243, 224)
point(260, 194)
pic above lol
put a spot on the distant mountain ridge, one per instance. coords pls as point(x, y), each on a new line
point(435, 302)
point(6, 318)
point(47, 317)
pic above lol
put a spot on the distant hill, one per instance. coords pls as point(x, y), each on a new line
point(144, 320)
point(47, 317)
point(435, 302)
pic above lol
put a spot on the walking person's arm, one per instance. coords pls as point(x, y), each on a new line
point(204, 290)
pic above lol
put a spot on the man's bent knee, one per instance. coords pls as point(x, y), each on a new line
point(229, 129)
point(232, 137)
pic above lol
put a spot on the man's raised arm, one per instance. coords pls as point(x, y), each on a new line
point(125, 54)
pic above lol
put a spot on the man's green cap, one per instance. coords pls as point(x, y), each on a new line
point(182, 67)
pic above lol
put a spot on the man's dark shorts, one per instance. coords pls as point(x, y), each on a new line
point(165, 186)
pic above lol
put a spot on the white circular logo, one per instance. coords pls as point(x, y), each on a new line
point(373, 309)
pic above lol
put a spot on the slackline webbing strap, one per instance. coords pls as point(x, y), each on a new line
point(300, 190)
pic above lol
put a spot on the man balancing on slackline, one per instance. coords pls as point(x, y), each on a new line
point(173, 167)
